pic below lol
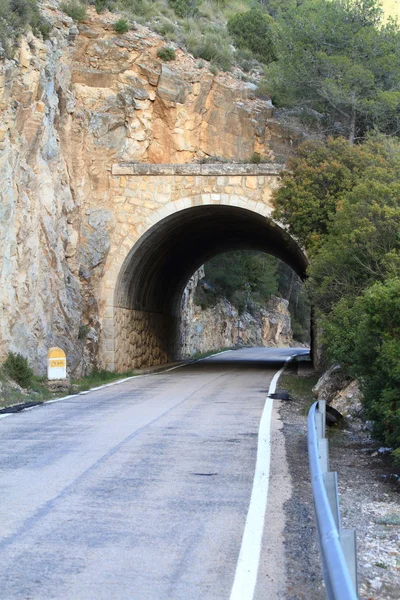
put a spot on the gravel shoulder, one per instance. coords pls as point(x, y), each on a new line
point(369, 502)
point(303, 571)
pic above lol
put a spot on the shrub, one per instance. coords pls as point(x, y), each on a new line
point(185, 8)
point(255, 158)
point(166, 53)
point(16, 368)
point(14, 16)
point(255, 30)
point(74, 9)
point(166, 28)
point(212, 47)
point(121, 26)
point(363, 335)
point(102, 5)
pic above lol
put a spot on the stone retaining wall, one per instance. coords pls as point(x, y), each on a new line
point(139, 339)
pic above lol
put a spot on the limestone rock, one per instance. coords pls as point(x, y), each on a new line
point(171, 88)
point(332, 381)
point(348, 401)
point(220, 326)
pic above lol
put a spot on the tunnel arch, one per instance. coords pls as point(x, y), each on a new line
point(155, 270)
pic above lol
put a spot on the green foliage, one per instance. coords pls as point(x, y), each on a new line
point(364, 335)
point(317, 178)
point(340, 60)
point(185, 8)
point(121, 26)
point(299, 388)
point(248, 279)
point(255, 30)
point(99, 377)
point(344, 203)
point(278, 8)
point(16, 368)
point(210, 45)
point(74, 9)
point(167, 53)
point(15, 15)
point(101, 5)
point(243, 271)
point(241, 277)
point(255, 158)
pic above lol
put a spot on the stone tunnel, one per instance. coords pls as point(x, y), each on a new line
point(195, 212)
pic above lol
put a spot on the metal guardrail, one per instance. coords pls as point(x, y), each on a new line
point(338, 546)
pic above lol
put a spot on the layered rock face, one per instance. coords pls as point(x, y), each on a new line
point(221, 326)
point(69, 109)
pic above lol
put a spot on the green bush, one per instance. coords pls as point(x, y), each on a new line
point(211, 46)
point(167, 53)
point(16, 368)
point(185, 8)
point(121, 26)
point(102, 5)
point(364, 336)
point(15, 15)
point(74, 9)
point(255, 158)
point(256, 31)
point(351, 194)
point(166, 28)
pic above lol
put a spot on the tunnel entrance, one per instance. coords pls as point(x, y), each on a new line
point(154, 274)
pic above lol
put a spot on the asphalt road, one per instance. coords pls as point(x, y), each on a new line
point(139, 491)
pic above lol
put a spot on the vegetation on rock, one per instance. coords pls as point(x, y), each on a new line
point(74, 9)
point(166, 53)
point(15, 15)
point(248, 279)
point(255, 30)
point(121, 26)
point(16, 368)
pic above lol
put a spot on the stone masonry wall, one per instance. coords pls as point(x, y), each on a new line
point(72, 107)
point(139, 339)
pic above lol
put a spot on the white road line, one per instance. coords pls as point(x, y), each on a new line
point(106, 385)
point(245, 580)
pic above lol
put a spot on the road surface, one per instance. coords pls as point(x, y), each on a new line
point(140, 491)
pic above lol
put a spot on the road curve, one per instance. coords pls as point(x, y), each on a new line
point(138, 491)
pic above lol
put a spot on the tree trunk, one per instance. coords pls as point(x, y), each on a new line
point(352, 132)
point(289, 294)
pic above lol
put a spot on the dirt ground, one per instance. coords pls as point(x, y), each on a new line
point(369, 502)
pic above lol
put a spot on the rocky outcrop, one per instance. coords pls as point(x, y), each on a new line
point(221, 326)
point(340, 391)
point(348, 401)
point(330, 383)
point(70, 107)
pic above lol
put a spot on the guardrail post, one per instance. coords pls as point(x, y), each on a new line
point(323, 454)
point(322, 410)
point(348, 541)
point(331, 486)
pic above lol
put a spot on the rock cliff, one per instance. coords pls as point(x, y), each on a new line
point(220, 326)
point(70, 107)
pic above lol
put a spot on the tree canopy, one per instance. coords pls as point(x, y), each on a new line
point(340, 60)
point(255, 30)
point(347, 199)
